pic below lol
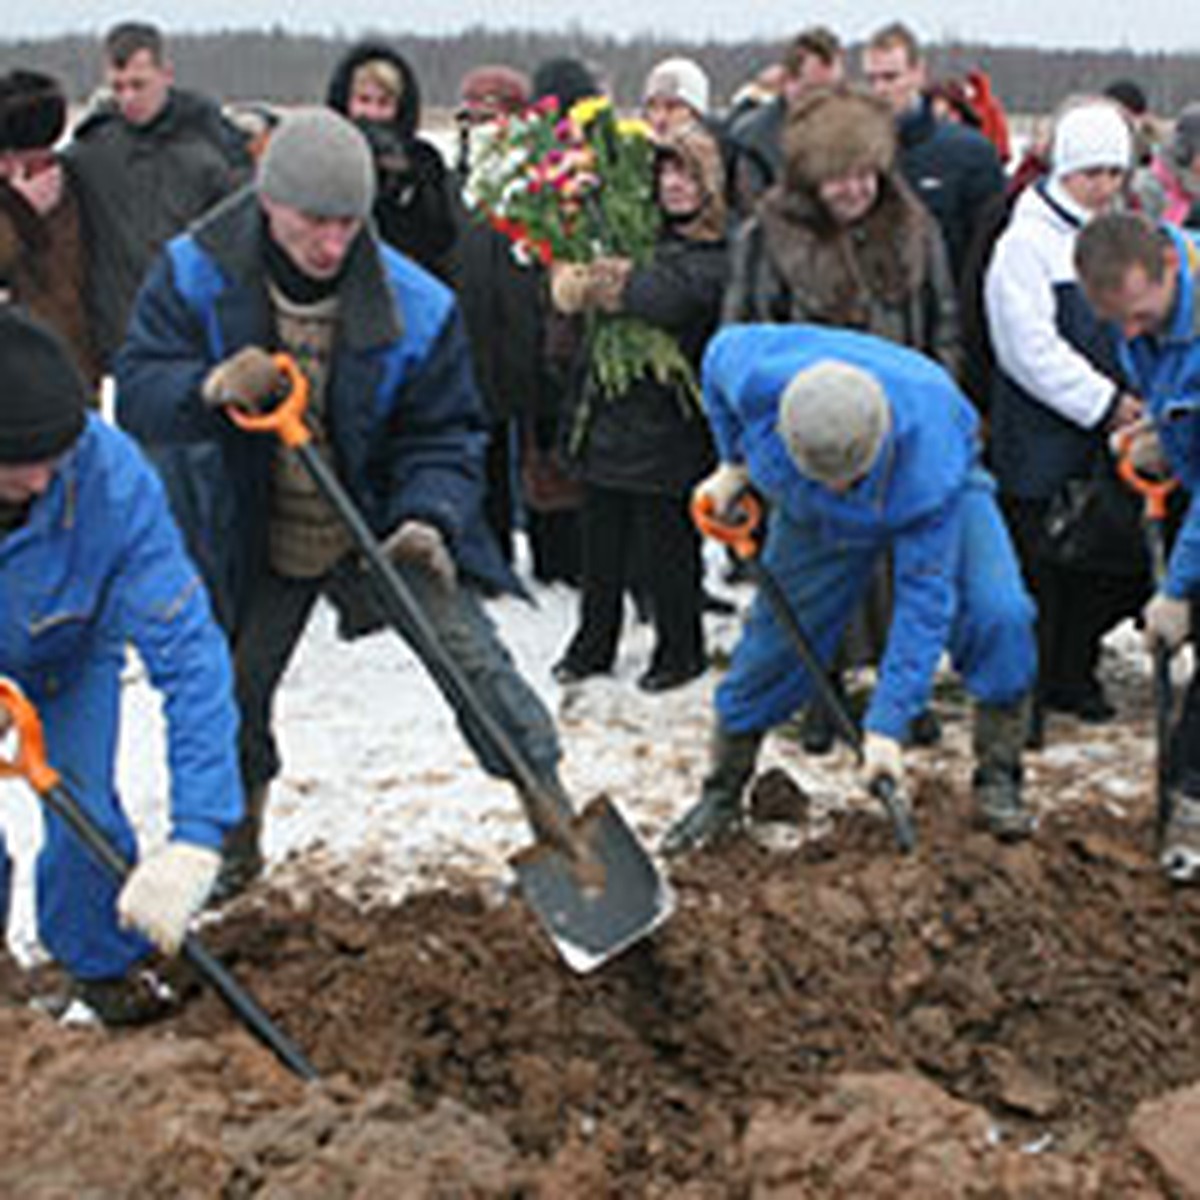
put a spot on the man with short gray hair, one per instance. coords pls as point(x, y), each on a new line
point(292, 265)
point(861, 448)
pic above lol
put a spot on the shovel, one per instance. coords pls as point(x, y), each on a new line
point(30, 764)
point(587, 879)
point(742, 538)
point(1155, 494)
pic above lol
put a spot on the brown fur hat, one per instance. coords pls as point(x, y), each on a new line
point(33, 111)
point(835, 131)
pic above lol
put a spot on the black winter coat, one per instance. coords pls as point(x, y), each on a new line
point(655, 438)
point(139, 186)
point(954, 170)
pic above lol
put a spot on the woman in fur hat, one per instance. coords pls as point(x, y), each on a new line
point(640, 453)
point(842, 240)
point(42, 260)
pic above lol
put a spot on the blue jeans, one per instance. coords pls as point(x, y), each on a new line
point(991, 641)
point(277, 614)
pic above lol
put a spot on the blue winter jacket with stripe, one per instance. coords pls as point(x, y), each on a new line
point(1165, 372)
point(406, 424)
point(908, 503)
point(99, 564)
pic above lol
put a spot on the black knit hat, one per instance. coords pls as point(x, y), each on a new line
point(33, 111)
point(42, 394)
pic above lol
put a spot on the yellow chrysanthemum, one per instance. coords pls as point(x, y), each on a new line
point(633, 127)
point(584, 112)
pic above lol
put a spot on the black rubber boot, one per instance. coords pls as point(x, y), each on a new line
point(241, 856)
point(999, 736)
point(718, 812)
point(138, 997)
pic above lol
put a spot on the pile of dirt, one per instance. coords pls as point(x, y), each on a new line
point(829, 1021)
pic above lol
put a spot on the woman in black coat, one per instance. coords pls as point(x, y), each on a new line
point(414, 206)
point(641, 452)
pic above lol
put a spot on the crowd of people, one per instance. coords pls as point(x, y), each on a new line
point(920, 356)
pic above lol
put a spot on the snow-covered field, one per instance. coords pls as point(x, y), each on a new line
point(379, 794)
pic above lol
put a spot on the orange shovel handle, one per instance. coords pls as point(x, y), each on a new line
point(1154, 492)
point(287, 418)
point(739, 535)
point(30, 760)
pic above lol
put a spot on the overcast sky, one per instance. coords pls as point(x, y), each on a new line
point(1106, 24)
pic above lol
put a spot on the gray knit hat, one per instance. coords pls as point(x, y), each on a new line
point(833, 418)
point(318, 162)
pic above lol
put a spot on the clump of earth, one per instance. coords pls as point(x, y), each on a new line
point(827, 1020)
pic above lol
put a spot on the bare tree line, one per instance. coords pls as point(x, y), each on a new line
point(279, 66)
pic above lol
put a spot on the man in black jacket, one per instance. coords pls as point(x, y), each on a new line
point(953, 168)
point(147, 163)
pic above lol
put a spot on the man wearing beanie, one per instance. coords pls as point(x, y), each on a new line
point(1056, 393)
point(292, 264)
point(862, 447)
point(90, 560)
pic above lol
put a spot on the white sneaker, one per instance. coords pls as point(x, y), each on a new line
point(1181, 847)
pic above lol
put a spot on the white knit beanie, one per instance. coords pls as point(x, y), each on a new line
point(320, 163)
point(833, 418)
point(679, 79)
point(1094, 134)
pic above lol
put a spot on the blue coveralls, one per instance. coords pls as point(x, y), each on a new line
point(97, 564)
point(926, 499)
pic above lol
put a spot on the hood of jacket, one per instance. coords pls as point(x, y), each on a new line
point(408, 110)
point(697, 149)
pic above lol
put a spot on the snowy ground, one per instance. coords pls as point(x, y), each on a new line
point(379, 793)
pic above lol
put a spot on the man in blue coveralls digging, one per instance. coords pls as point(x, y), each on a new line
point(861, 447)
point(90, 560)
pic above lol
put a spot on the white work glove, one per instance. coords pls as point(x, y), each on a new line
point(165, 891)
point(722, 488)
point(882, 759)
point(420, 544)
point(1167, 620)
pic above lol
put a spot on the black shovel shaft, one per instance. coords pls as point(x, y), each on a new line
point(406, 611)
point(64, 805)
point(782, 610)
point(1163, 694)
point(884, 790)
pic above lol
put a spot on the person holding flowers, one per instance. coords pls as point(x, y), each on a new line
point(637, 436)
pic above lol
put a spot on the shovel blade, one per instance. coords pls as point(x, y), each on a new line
point(593, 910)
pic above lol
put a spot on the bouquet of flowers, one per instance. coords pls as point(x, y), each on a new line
point(574, 188)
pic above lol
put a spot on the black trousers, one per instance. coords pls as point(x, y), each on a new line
point(643, 540)
point(1075, 608)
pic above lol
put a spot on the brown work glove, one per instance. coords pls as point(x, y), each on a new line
point(250, 379)
point(418, 544)
point(569, 287)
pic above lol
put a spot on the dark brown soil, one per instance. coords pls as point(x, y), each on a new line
point(834, 1021)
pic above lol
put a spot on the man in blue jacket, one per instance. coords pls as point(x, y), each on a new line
point(90, 560)
point(1146, 280)
point(291, 264)
point(861, 447)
